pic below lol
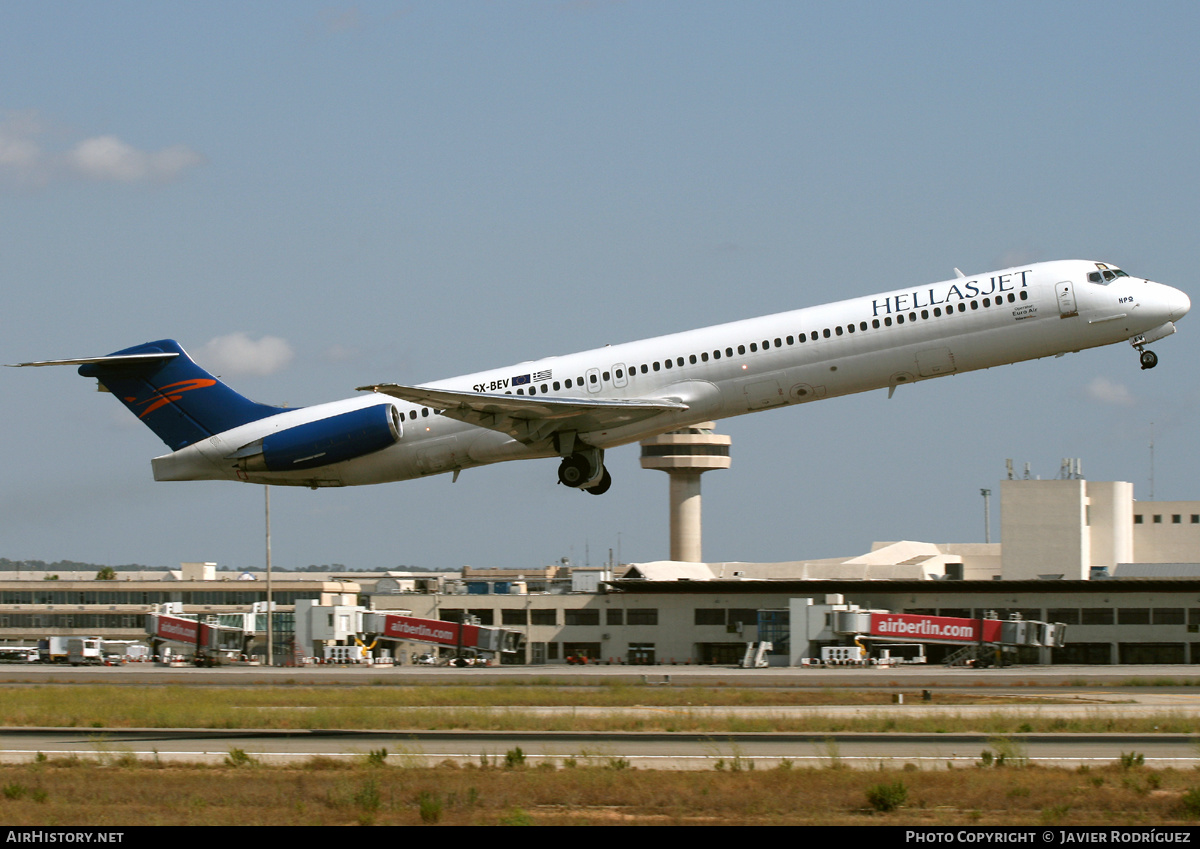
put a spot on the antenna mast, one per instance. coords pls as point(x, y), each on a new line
point(1151, 461)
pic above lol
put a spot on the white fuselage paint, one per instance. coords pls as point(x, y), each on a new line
point(912, 334)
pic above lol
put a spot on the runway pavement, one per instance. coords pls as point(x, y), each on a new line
point(1156, 677)
point(1089, 691)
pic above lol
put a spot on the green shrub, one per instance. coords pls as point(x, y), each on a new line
point(887, 797)
point(1190, 802)
point(1132, 759)
point(430, 806)
point(238, 757)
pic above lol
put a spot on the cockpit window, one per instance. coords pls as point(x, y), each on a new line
point(1106, 274)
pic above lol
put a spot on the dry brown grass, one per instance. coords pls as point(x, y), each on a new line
point(457, 707)
point(75, 792)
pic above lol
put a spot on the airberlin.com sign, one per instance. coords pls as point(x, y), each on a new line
point(916, 627)
point(429, 630)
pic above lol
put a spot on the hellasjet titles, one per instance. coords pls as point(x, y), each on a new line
point(574, 407)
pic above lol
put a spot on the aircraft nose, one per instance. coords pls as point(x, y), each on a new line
point(1179, 303)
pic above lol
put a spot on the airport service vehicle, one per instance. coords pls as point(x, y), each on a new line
point(577, 406)
point(78, 651)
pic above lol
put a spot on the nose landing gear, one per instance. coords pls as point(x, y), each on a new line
point(1149, 359)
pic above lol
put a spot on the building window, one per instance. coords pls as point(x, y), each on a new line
point(582, 616)
point(1096, 616)
point(746, 617)
point(1133, 616)
point(485, 617)
point(543, 617)
point(1176, 519)
point(1168, 616)
point(1137, 518)
point(1158, 519)
point(513, 617)
point(642, 616)
point(614, 616)
point(1065, 615)
point(710, 616)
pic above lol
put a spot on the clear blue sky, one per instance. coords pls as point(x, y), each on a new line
point(312, 197)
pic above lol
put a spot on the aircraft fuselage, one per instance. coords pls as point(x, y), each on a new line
point(875, 342)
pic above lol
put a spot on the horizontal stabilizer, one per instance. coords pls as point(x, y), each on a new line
point(120, 359)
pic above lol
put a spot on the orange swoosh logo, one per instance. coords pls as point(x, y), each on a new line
point(171, 393)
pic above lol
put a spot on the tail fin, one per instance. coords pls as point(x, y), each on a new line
point(181, 402)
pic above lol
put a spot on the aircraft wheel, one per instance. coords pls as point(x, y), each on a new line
point(602, 487)
point(574, 471)
point(1149, 359)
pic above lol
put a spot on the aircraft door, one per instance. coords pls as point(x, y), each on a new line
point(592, 379)
point(1066, 299)
point(620, 375)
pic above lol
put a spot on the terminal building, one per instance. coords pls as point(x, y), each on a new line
point(1122, 575)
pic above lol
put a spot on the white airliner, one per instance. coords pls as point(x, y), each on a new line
point(576, 406)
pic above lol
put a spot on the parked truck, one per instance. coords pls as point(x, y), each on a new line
point(77, 651)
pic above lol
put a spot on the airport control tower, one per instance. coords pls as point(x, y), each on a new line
point(685, 455)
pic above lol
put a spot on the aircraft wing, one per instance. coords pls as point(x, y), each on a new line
point(530, 418)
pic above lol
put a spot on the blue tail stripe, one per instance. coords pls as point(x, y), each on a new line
point(181, 402)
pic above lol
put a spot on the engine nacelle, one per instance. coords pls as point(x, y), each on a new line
point(320, 443)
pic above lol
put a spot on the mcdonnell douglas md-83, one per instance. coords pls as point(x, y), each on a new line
point(574, 407)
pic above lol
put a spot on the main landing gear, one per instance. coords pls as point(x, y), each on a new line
point(585, 470)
